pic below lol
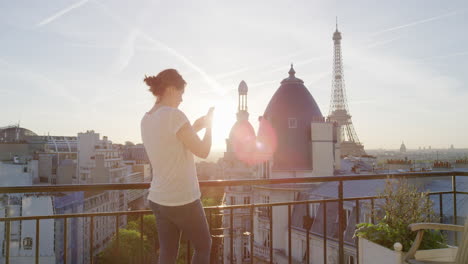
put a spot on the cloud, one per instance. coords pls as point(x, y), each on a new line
point(61, 13)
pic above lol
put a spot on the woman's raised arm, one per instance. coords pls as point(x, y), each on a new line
point(200, 148)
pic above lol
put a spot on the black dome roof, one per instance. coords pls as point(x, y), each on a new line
point(292, 102)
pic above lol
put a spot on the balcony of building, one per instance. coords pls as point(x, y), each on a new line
point(278, 228)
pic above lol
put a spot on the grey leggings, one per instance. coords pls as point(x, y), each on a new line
point(189, 219)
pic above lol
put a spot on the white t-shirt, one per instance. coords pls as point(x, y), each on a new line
point(174, 173)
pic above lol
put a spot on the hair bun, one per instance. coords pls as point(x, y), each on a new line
point(152, 81)
point(168, 77)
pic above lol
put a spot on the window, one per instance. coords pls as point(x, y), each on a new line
point(292, 122)
point(27, 243)
point(266, 236)
point(246, 200)
point(233, 200)
point(347, 215)
point(350, 260)
point(265, 211)
point(313, 210)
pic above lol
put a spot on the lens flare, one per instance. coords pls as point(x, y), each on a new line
point(243, 141)
point(266, 141)
point(249, 148)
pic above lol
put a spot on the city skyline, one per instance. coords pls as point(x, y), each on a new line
point(403, 67)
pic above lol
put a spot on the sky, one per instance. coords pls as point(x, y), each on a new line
point(69, 66)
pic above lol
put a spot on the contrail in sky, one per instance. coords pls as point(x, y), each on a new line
point(127, 50)
point(214, 85)
point(416, 23)
point(456, 54)
point(266, 64)
point(61, 13)
point(299, 63)
point(380, 43)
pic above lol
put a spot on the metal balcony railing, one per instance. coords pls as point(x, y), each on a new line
point(264, 252)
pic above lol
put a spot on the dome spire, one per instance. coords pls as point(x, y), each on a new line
point(242, 106)
point(292, 72)
point(292, 76)
point(243, 88)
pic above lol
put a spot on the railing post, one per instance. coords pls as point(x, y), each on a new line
point(454, 191)
point(117, 246)
point(251, 233)
point(141, 238)
point(441, 210)
point(37, 240)
point(289, 235)
point(325, 232)
point(340, 224)
point(357, 222)
point(271, 234)
point(7, 242)
point(91, 240)
point(65, 239)
point(308, 226)
point(231, 236)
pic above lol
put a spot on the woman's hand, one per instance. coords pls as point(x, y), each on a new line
point(199, 124)
point(204, 121)
point(187, 134)
point(209, 118)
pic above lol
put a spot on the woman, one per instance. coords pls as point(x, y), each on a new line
point(170, 142)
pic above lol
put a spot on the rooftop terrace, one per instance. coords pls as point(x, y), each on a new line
point(331, 194)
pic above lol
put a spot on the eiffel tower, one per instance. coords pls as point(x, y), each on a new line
point(339, 112)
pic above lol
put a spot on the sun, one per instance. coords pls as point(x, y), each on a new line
point(223, 119)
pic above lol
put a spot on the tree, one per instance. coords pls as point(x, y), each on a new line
point(129, 144)
point(402, 205)
point(150, 230)
point(129, 249)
